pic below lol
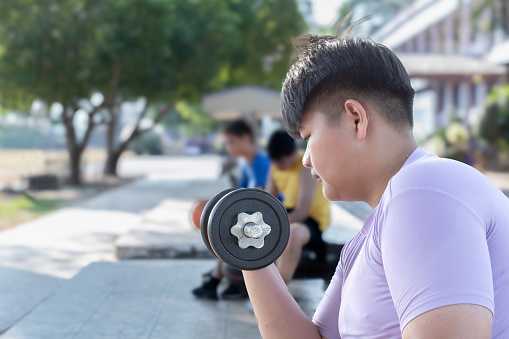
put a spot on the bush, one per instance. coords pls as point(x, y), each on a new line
point(149, 143)
point(494, 127)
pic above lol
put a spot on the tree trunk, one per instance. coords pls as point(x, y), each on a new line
point(114, 153)
point(75, 167)
point(73, 150)
point(110, 168)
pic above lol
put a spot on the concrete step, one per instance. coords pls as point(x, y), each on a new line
point(146, 299)
point(166, 232)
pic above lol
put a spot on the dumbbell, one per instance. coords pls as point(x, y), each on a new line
point(246, 228)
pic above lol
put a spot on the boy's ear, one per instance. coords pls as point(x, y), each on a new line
point(356, 116)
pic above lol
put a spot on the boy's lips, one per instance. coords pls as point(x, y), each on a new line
point(316, 176)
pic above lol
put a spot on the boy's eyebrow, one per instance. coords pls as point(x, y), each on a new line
point(302, 123)
point(300, 129)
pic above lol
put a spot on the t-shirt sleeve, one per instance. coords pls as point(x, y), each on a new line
point(261, 169)
point(326, 318)
point(434, 253)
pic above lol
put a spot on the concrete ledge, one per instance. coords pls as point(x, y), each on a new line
point(166, 232)
point(151, 240)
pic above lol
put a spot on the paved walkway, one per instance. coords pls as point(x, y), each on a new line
point(36, 257)
point(145, 299)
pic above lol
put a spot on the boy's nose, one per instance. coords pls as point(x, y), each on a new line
point(306, 159)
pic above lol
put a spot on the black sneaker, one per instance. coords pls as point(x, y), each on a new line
point(208, 290)
point(203, 292)
point(235, 292)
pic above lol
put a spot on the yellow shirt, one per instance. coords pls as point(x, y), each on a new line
point(287, 183)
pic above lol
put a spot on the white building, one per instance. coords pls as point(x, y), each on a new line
point(453, 56)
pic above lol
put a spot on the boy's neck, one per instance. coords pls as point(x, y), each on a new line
point(389, 159)
point(250, 153)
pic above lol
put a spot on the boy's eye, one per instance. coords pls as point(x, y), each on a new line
point(307, 138)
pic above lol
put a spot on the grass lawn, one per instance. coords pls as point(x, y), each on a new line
point(18, 209)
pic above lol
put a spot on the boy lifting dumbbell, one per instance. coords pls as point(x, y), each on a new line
point(431, 259)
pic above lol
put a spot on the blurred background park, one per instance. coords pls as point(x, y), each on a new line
point(85, 85)
point(100, 95)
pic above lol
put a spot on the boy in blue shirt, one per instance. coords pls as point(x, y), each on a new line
point(240, 143)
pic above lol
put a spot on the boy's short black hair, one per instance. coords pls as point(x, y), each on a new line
point(239, 128)
point(330, 70)
point(280, 144)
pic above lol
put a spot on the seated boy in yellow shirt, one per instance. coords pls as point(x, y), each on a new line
point(308, 209)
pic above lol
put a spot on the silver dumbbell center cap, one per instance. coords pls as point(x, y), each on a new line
point(250, 229)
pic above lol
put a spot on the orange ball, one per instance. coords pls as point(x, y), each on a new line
point(196, 212)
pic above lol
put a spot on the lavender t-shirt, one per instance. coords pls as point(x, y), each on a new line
point(440, 236)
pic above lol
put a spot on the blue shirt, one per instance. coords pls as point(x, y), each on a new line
point(254, 174)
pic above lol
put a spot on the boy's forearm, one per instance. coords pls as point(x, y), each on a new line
point(277, 313)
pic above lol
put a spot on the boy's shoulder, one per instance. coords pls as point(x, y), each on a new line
point(261, 159)
point(430, 172)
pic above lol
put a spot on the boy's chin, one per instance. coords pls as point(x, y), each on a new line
point(330, 193)
point(335, 194)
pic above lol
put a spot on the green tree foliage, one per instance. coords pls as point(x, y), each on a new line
point(262, 55)
point(499, 15)
point(148, 143)
point(163, 50)
point(379, 11)
point(494, 127)
point(191, 120)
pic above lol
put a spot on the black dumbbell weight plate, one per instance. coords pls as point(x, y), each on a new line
point(204, 220)
point(224, 216)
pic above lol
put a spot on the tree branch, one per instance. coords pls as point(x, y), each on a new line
point(137, 132)
point(70, 133)
point(88, 132)
point(142, 115)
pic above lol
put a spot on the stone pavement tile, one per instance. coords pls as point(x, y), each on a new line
point(35, 257)
point(143, 299)
point(20, 292)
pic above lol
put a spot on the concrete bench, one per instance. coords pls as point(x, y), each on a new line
point(166, 232)
point(145, 299)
